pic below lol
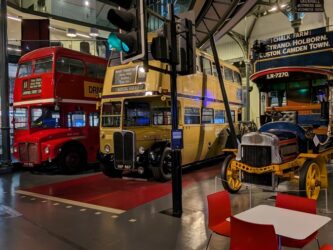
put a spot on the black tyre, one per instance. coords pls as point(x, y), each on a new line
point(162, 172)
point(109, 170)
point(72, 159)
point(230, 179)
point(309, 180)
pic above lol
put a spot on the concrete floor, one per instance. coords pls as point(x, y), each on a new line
point(34, 223)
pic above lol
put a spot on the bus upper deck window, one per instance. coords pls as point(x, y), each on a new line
point(70, 66)
point(206, 67)
point(228, 74)
point(24, 69)
point(43, 65)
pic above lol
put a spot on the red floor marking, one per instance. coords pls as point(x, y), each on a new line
point(117, 193)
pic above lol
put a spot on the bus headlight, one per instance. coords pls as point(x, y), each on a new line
point(46, 150)
point(15, 149)
point(107, 148)
point(141, 150)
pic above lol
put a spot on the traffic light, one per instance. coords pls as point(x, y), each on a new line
point(129, 18)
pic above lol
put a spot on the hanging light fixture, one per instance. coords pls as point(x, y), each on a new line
point(93, 32)
point(71, 32)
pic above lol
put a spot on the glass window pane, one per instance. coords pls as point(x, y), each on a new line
point(44, 117)
point(76, 119)
point(93, 120)
point(206, 66)
point(207, 116)
point(228, 74)
point(192, 116)
point(162, 116)
point(237, 78)
point(219, 117)
point(70, 66)
point(21, 118)
point(24, 69)
point(111, 114)
point(43, 65)
point(137, 114)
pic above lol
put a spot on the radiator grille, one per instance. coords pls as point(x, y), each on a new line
point(256, 156)
point(28, 152)
point(124, 149)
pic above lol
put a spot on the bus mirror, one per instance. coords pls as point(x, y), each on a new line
point(98, 105)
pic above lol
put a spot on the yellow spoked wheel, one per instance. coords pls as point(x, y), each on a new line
point(309, 182)
point(230, 178)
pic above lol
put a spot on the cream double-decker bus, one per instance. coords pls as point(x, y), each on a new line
point(135, 127)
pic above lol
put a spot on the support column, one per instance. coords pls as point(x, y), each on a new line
point(4, 86)
point(247, 76)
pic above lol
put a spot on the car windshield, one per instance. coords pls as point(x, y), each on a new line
point(44, 117)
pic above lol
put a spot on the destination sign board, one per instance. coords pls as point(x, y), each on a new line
point(309, 5)
point(32, 86)
point(310, 47)
point(124, 76)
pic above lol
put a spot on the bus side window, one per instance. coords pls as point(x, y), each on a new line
point(93, 120)
point(228, 74)
point(207, 115)
point(198, 64)
point(192, 116)
point(219, 117)
point(206, 66)
point(237, 78)
point(76, 119)
point(70, 66)
point(214, 69)
point(233, 116)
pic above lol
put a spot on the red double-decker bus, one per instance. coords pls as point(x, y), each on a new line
point(55, 117)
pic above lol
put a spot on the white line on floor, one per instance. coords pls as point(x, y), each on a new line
point(71, 202)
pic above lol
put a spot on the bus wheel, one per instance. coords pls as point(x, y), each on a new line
point(162, 172)
point(230, 178)
point(109, 170)
point(72, 159)
point(309, 180)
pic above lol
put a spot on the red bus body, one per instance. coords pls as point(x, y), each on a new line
point(55, 96)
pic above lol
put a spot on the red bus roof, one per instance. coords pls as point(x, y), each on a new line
point(42, 52)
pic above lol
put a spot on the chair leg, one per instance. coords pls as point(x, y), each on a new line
point(209, 240)
point(318, 243)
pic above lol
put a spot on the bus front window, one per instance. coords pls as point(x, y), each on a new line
point(111, 112)
point(162, 116)
point(277, 98)
point(24, 69)
point(137, 114)
point(20, 118)
point(44, 117)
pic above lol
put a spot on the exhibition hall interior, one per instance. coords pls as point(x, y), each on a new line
point(164, 124)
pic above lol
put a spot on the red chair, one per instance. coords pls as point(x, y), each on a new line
point(219, 209)
point(299, 204)
point(251, 236)
point(326, 247)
